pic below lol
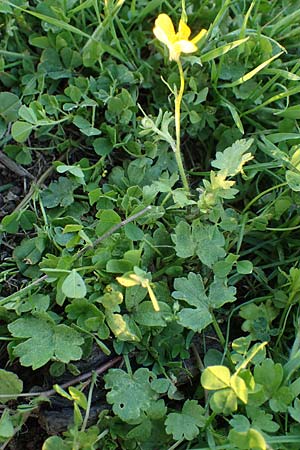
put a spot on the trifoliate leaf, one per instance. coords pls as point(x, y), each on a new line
point(215, 377)
point(43, 341)
point(185, 425)
point(239, 387)
point(223, 401)
point(248, 440)
point(130, 395)
point(232, 159)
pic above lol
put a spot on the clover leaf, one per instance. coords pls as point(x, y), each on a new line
point(44, 341)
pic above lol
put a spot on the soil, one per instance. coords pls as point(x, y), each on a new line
point(31, 437)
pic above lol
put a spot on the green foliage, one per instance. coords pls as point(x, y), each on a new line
point(187, 423)
point(45, 341)
point(10, 385)
point(197, 281)
point(130, 395)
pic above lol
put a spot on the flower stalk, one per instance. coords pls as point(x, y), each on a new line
point(177, 43)
point(178, 100)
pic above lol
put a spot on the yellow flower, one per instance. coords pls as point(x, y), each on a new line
point(179, 42)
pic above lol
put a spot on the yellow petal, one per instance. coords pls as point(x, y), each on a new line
point(164, 29)
point(199, 36)
point(184, 31)
point(186, 46)
point(174, 51)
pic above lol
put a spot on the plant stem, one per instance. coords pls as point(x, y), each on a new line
point(221, 339)
point(178, 99)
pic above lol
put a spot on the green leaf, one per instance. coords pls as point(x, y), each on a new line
point(239, 387)
point(141, 432)
point(224, 402)
point(107, 219)
point(74, 170)
point(10, 385)
point(28, 114)
point(103, 146)
point(85, 126)
point(195, 319)
point(215, 377)
point(232, 159)
point(133, 232)
point(74, 286)
point(294, 411)
point(281, 399)
point(240, 423)
point(59, 193)
point(20, 131)
point(9, 106)
point(182, 238)
point(119, 266)
point(244, 267)
point(6, 426)
point(293, 180)
point(269, 375)
point(209, 243)
point(145, 314)
point(123, 327)
point(219, 293)
point(78, 397)
point(44, 341)
point(86, 314)
point(252, 73)
point(55, 443)
point(222, 50)
point(185, 425)
point(191, 290)
point(262, 420)
point(130, 395)
point(248, 440)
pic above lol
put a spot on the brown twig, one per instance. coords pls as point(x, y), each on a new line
point(14, 167)
point(112, 230)
point(83, 377)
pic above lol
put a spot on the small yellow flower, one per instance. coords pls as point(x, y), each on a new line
point(179, 42)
